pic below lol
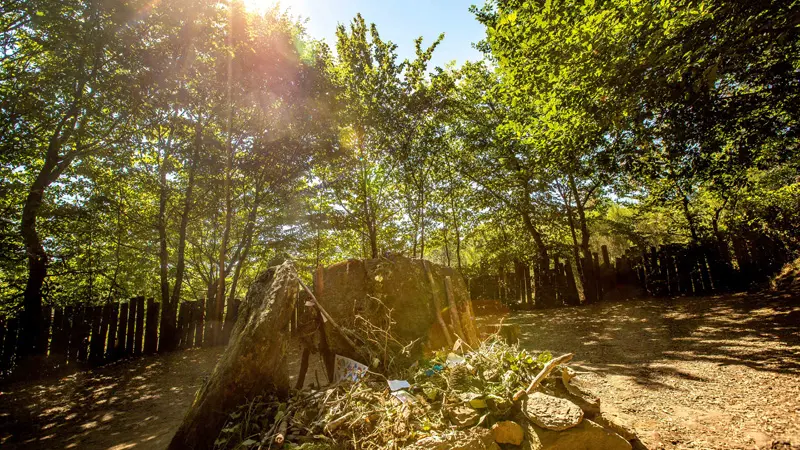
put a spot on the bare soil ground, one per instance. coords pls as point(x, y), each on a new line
point(695, 373)
point(709, 373)
point(137, 403)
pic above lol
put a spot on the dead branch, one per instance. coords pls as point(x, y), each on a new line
point(549, 367)
point(326, 315)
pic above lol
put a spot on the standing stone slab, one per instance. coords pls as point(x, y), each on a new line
point(552, 413)
point(254, 362)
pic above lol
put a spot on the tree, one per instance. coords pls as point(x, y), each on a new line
point(75, 89)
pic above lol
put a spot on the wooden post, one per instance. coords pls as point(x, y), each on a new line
point(187, 337)
point(151, 327)
point(67, 327)
point(301, 376)
point(198, 335)
point(2, 340)
point(180, 328)
point(327, 355)
point(104, 328)
point(111, 348)
point(96, 342)
point(139, 334)
point(44, 333)
point(134, 304)
point(208, 339)
point(572, 297)
point(58, 346)
point(228, 324)
point(122, 331)
point(82, 343)
point(529, 284)
point(9, 345)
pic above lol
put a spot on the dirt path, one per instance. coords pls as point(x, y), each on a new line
point(131, 404)
point(711, 373)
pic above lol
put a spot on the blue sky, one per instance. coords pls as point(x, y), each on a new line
point(398, 21)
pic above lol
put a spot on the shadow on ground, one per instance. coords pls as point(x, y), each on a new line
point(759, 331)
point(130, 404)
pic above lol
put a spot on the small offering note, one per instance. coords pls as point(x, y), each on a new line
point(347, 369)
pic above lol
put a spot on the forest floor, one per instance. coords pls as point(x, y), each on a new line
point(695, 373)
point(707, 373)
point(137, 403)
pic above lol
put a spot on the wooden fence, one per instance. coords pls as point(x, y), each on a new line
point(669, 270)
point(87, 335)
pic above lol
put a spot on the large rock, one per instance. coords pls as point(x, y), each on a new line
point(369, 288)
point(252, 364)
point(552, 413)
point(585, 436)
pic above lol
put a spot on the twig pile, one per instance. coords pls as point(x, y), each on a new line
point(448, 392)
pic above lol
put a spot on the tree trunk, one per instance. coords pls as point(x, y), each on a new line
point(37, 268)
point(543, 289)
point(590, 287)
point(168, 337)
point(54, 166)
point(167, 327)
point(690, 219)
point(446, 246)
point(245, 252)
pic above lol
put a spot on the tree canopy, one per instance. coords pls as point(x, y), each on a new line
point(176, 149)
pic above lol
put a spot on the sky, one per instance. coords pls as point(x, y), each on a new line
point(398, 21)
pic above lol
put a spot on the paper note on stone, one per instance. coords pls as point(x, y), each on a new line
point(347, 369)
point(396, 385)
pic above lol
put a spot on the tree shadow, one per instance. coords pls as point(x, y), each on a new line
point(130, 404)
point(640, 338)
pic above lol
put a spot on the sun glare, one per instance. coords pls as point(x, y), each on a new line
point(263, 5)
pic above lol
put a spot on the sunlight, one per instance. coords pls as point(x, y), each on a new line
point(264, 5)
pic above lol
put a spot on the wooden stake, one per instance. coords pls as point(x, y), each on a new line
point(326, 315)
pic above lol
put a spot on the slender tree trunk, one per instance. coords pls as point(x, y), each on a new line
point(454, 213)
point(37, 267)
point(168, 337)
point(544, 290)
point(575, 245)
point(369, 213)
point(163, 253)
point(422, 223)
point(446, 246)
point(53, 167)
point(248, 240)
point(223, 249)
point(591, 290)
point(690, 219)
